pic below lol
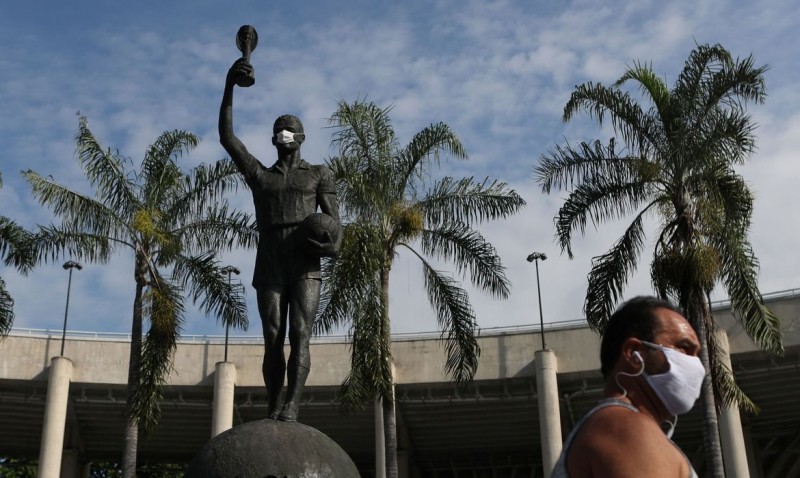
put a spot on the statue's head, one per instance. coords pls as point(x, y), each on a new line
point(287, 132)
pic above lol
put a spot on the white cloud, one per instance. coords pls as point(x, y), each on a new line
point(497, 72)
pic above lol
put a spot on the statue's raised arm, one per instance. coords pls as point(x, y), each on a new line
point(240, 73)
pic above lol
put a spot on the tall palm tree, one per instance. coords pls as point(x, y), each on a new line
point(387, 207)
point(165, 218)
point(677, 165)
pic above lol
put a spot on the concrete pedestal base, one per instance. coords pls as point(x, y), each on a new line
point(271, 448)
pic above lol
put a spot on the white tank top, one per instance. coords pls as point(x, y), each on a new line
point(560, 469)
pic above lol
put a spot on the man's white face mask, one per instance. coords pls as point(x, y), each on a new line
point(679, 387)
point(284, 137)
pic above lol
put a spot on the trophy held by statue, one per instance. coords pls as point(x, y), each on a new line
point(246, 42)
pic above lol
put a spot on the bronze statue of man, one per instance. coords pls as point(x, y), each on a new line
point(287, 273)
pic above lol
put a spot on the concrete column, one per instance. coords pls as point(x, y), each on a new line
point(380, 441)
point(224, 384)
point(734, 453)
point(55, 417)
point(549, 410)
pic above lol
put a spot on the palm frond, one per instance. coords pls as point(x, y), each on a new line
point(371, 357)
point(349, 279)
point(654, 87)
point(635, 127)
point(202, 277)
point(597, 200)
point(163, 304)
point(702, 61)
point(363, 130)
point(51, 242)
point(456, 321)
point(726, 135)
point(217, 228)
point(566, 166)
point(161, 177)
point(466, 201)
point(733, 199)
point(364, 193)
point(469, 251)
point(740, 276)
point(78, 210)
point(417, 158)
point(203, 186)
point(371, 160)
point(15, 244)
point(610, 273)
point(6, 310)
point(726, 388)
point(746, 80)
point(105, 170)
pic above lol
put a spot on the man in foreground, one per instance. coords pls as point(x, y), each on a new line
point(648, 357)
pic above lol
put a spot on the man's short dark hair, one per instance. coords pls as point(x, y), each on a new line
point(286, 120)
point(634, 318)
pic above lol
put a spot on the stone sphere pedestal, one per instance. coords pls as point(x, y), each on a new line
point(272, 449)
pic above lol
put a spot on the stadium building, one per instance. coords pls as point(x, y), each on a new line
point(68, 411)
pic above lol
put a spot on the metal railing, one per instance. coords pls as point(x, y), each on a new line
point(254, 339)
point(768, 297)
point(405, 336)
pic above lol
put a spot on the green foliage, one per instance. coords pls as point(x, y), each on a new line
point(106, 469)
point(676, 164)
point(165, 218)
point(18, 468)
point(14, 251)
point(390, 201)
point(6, 309)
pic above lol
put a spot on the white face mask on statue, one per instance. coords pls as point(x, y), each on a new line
point(679, 387)
point(284, 137)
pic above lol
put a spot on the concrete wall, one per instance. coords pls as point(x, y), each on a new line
point(416, 361)
point(503, 355)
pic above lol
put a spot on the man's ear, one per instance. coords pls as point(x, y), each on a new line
point(274, 141)
point(631, 352)
point(299, 138)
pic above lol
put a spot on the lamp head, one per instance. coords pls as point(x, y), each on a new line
point(72, 264)
point(231, 269)
point(537, 255)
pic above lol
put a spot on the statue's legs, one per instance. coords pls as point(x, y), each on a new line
point(272, 307)
point(304, 301)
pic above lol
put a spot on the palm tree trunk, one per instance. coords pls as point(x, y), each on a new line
point(696, 306)
point(390, 437)
point(389, 417)
point(711, 441)
point(131, 424)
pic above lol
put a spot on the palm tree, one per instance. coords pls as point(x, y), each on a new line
point(165, 218)
point(388, 207)
point(677, 165)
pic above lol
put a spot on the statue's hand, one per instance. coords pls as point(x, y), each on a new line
point(323, 249)
point(240, 68)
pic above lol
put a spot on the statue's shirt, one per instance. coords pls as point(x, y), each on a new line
point(283, 198)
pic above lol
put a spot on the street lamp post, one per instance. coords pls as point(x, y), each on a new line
point(534, 257)
point(69, 265)
point(228, 270)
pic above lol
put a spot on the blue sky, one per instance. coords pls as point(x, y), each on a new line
point(498, 72)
